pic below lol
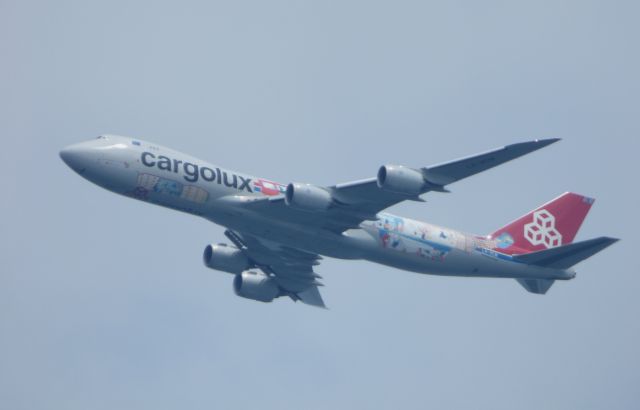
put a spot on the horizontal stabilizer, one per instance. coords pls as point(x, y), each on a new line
point(538, 286)
point(565, 256)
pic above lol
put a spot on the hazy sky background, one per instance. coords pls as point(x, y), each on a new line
point(105, 302)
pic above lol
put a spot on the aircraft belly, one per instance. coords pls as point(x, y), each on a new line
point(461, 263)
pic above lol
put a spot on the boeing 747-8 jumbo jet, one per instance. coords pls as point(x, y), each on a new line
point(278, 232)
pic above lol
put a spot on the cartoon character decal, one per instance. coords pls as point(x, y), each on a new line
point(168, 187)
point(504, 240)
point(389, 230)
point(139, 193)
point(413, 237)
point(148, 183)
point(433, 253)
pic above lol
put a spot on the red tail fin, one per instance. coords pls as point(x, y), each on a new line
point(553, 224)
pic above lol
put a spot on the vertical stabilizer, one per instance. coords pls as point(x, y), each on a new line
point(551, 225)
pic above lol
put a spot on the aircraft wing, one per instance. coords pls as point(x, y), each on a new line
point(357, 201)
point(367, 194)
point(291, 268)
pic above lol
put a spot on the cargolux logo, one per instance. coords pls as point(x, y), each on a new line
point(193, 172)
point(542, 231)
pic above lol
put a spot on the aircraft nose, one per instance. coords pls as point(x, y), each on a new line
point(75, 156)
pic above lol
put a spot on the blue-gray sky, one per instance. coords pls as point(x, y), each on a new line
point(105, 303)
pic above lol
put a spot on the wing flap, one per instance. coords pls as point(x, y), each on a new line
point(291, 268)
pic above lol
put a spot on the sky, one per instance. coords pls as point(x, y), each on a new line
point(105, 302)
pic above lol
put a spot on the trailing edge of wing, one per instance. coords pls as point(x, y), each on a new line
point(452, 171)
point(292, 268)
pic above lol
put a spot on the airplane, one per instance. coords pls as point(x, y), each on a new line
point(278, 233)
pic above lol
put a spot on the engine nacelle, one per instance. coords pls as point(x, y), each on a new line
point(307, 197)
point(400, 179)
point(225, 258)
point(256, 285)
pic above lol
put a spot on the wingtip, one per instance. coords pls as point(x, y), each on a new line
point(534, 145)
point(547, 141)
point(607, 241)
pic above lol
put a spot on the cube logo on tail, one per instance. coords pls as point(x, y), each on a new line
point(542, 231)
point(553, 224)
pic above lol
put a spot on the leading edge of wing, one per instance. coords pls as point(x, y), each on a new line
point(452, 171)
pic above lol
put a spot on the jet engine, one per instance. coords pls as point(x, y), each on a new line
point(225, 258)
point(307, 197)
point(400, 179)
point(256, 286)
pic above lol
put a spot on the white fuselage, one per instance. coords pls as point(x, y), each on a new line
point(169, 178)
